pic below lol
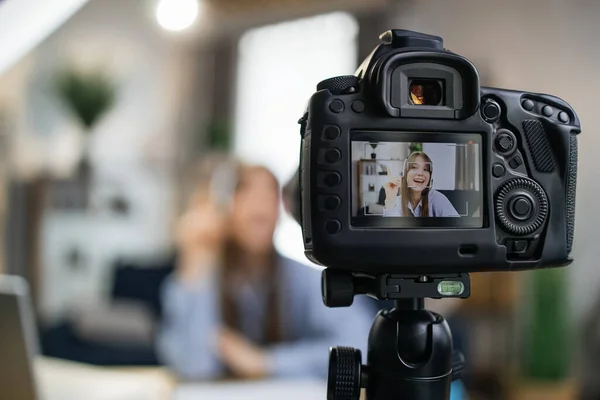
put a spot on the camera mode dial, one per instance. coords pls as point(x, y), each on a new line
point(521, 206)
point(339, 84)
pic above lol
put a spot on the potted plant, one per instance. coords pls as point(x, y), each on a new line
point(415, 147)
point(219, 135)
point(88, 96)
point(373, 154)
point(546, 349)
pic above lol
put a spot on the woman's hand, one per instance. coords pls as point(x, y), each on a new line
point(245, 359)
point(391, 189)
point(200, 233)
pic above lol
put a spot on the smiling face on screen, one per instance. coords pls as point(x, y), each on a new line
point(418, 174)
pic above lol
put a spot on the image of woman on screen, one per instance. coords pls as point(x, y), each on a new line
point(416, 197)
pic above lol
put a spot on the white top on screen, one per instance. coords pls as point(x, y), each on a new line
point(439, 206)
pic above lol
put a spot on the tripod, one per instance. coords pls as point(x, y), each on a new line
point(410, 353)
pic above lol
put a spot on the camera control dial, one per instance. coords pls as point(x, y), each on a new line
point(521, 206)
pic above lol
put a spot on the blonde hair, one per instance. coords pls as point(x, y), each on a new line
point(406, 192)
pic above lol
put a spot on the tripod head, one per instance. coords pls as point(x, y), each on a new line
point(410, 352)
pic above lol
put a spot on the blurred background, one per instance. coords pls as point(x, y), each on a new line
point(104, 104)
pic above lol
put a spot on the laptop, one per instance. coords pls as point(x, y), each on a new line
point(18, 340)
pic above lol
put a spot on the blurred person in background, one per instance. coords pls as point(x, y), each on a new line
point(236, 308)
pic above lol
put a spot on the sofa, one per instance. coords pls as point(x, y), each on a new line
point(121, 332)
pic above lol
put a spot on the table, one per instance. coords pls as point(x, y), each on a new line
point(65, 380)
point(260, 390)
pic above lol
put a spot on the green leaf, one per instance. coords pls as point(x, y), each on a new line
point(87, 95)
point(547, 354)
point(415, 147)
point(219, 135)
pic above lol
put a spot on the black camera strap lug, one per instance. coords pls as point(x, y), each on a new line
point(302, 121)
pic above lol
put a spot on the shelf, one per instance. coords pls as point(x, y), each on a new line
point(380, 159)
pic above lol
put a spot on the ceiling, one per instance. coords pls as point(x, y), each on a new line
point(241, 14)
point(21, 29)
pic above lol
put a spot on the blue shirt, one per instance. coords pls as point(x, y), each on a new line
point(192, 314)
point(439, 206)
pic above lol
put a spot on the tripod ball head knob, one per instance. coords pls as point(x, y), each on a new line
point(337, 288)
point(345, 368)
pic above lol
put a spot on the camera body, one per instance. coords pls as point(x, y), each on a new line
point(410, 167)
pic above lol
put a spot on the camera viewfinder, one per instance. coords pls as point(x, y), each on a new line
point(425, 92)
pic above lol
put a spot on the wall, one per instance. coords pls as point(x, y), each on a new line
point(358, 151)
point(270, 99)
point(443, 158)
point(541, 46)
point(4, 152)
point(134, 148)
point(390, 156)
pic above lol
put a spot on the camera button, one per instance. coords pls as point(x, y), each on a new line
point(331, 132)
point(332, 203)
point(521, 207)
point(515, 162)
point(517, 246)
point(491, 111)
point(333, 226)
point(547, 111)
point(333, 179)
point(498, 170)
point(520, 246)
point(336, 106)
point(333, 156)
point(358, 106)
point(563, 117)
point(505, 142)
point(528, 105)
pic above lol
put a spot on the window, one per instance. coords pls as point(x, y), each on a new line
point(279, 67)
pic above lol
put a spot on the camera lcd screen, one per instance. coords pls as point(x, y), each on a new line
point(408, 180)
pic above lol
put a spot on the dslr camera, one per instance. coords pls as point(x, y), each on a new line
point(411, 167)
